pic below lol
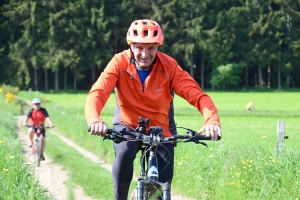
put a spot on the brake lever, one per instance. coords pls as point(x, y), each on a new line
point(195, 140)
point(114, 137)
point(203, 143)
point(108, 137)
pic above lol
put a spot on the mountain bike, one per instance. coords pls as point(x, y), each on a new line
point(148, 186)
point(37, 142)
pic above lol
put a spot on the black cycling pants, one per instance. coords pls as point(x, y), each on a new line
point(125, 154)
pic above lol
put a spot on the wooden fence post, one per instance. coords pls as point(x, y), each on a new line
point(280, 137)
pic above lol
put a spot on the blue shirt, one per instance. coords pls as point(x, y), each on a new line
point(143, 74)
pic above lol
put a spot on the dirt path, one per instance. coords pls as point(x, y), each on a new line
point(50, 174)
point(53, 177)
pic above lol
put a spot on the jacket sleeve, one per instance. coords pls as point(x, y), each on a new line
point(186, 87)
point(45, 113)
point(100, 92)
point(29, 113)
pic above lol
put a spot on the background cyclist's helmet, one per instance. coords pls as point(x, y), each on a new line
point(36, 100)
point(145, 31)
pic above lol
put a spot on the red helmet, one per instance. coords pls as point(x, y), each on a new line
point(145, 31)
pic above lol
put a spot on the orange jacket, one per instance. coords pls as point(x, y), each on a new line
point(151, 100)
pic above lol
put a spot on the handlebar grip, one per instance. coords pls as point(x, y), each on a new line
point(204, 137)
point(109, 131)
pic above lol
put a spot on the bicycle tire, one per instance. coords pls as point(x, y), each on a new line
point(38, 152)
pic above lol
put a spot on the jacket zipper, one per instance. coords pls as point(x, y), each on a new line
point(133, 77)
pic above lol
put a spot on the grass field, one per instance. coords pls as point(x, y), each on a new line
point(243, 165)
point(16, 179)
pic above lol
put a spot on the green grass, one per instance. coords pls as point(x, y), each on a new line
point(17, 181)
point(92, 177)
point(243, 165)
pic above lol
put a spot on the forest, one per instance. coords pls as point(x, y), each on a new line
point(224, 45)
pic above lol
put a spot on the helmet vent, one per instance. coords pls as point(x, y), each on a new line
point(145, 32)
point(155, 33)
point(145, 23)
point(135, 33)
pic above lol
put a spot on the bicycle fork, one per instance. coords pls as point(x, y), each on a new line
point(152, 178)
point(165, 189)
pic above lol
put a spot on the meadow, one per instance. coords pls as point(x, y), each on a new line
point(243, 165)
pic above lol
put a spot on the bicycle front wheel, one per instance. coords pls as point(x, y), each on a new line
point(38, 152)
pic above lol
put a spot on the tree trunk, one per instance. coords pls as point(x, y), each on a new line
point(287, 81)
point(260, 79)
point(46, 80)
point(269, 77)
point(35, 79)
point(202, 69)
point(191, 58)
point(56, 80)
point(192, 67)
point(246, 77)
point(279, 78)
point(212, 86)
point(93, 75)
point(75, 80)
point(65, 79)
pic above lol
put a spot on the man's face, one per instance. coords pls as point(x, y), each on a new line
point(144, 53)
point(36, 106)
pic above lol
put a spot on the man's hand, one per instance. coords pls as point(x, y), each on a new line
point(98, 128)
point(211, 130)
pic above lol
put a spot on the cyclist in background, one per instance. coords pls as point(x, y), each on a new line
point(37, 115)
point(145, 80)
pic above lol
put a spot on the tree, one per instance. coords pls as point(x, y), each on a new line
point(226, 75)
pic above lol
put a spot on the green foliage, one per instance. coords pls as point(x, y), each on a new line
point(226, 75)
point(42, 40)
point(4, 89)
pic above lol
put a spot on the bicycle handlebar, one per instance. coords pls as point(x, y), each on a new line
point(154, 136)
point(37, 126)
point(123, 135)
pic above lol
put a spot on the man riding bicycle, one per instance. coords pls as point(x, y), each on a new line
point(37, 115)
point(145, 80)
